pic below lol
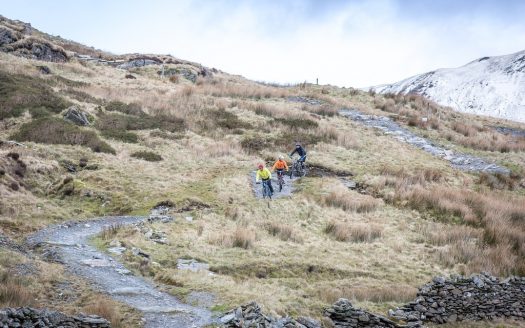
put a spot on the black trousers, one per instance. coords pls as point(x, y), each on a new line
point(269, 182)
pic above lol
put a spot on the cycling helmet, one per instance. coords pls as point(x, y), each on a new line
point(260, 166)
point(281, 157)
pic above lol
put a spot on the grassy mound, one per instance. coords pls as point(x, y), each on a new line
point(147, 156)
point(52, 130)
point(19, 93)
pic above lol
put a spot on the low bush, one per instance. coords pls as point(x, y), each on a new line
point(130, 109)
point(19, 93)
point(298, 123)
point(121, 135)
point(227, 120)
point(147, 156)
point(52, 130)
point(126, 122)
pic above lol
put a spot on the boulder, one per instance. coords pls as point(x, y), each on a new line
point(75, 115)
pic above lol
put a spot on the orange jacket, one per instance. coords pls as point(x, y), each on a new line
point(280, 165)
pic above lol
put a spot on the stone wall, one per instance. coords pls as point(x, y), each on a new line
point(29, 317)
point(479, 297)
point(250, 315)
point(343, 314)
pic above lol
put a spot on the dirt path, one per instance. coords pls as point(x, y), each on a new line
point(70, 242)
point(287, 188)
point(458, 160)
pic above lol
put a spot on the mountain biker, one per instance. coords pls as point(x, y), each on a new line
point(280, 165)
point(301, 152)
point(265, 175)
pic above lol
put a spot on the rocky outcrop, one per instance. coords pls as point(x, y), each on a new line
point(479, 297)
point(7, 36)
point(140, 62)
point(36, 48)
point(250, 315)
point(344, 314)
point(29, 317)
point(75, 115)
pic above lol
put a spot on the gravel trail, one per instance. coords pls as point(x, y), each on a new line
point(458, 160)
point(70, 243)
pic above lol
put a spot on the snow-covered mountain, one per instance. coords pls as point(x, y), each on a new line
point(492, 86)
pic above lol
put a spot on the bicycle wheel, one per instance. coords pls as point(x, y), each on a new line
point(280, 183)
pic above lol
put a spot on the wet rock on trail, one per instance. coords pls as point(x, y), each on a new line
point(70, 243)
point(458, 160)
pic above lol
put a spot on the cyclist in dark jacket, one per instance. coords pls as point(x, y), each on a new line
point(301, 152)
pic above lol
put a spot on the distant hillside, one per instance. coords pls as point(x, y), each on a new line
point(491, 86)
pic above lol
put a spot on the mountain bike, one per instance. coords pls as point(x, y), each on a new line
point(267, 193)
point(280, 179)
point(298, 169)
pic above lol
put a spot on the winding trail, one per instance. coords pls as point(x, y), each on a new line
point(70, 242)
point(458, 160)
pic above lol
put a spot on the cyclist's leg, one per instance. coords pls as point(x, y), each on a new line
point(302, 160)
point(270, 185)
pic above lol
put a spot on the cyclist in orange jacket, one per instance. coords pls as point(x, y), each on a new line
point(280, 165)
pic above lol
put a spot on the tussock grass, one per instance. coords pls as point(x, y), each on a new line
point(13, 291)
point(283, 231)
point(241, 237)
point(110, 232)
point(501, 218)
point(107, 310)
point(341, 197)
point(359, 233)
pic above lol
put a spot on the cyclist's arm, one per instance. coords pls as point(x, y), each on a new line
point(286, 165)
point(293, 152)
point(257, 176)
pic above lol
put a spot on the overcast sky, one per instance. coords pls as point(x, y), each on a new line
point(346, 43)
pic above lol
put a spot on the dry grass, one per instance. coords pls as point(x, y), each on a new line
point(283, 231)
point(341, 197)
point(241, 237)
point(390, 293)
point(359, 233)
point(107, 310)
point(108, 233)
point(501, 218)
point(13, 291)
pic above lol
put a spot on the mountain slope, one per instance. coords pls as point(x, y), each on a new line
point(492, 86)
